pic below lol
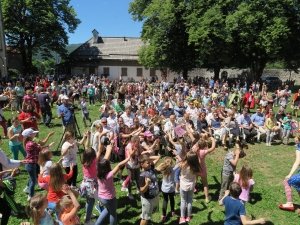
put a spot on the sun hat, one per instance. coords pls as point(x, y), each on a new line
point(28, 132)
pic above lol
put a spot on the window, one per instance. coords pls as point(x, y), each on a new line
point(106, 71)
point(139, 72)
point(152, 72)
point(124, 72)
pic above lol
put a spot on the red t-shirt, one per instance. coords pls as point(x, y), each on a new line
point(54, 196)
point(31, 123)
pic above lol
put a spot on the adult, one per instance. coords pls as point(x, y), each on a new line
point(292, 181)
point(28, 118)
point(296, 103)
point(44, 102)
point(258, 120)
point(66, 113)
point(128, 117)
point(15, 138)
point(246, 125)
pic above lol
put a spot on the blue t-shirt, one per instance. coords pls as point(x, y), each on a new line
point(46, 219)
point(67, 114)
point(234, 209)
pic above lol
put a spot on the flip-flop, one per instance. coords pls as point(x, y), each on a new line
point(287, 208)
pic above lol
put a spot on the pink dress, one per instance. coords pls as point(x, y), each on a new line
point(244, 196)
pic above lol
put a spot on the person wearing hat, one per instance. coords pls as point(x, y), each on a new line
point(65, 113)
point(32, 152)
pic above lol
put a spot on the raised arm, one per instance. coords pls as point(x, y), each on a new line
point(45, 140)
point(213, 145)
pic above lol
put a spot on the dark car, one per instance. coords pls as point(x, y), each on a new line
point(272, 82)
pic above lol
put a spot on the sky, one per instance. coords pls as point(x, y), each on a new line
point(109, 17)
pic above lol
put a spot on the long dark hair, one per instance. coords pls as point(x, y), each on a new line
point(88, 157)
point(103, 168)
point(192, 161)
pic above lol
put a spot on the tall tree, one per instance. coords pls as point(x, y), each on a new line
point(164, 32)
point(38, 26)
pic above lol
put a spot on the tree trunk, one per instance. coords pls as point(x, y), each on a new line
point(217, 73)
point(185, 74)
point(257, 69)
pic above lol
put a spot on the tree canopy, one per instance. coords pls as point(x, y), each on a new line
point(38, 26)
point(217, 34)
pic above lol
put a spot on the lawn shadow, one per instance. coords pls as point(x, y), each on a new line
point(22, 214)
point(255, 197)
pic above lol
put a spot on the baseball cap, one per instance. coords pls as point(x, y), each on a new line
point(28, 132)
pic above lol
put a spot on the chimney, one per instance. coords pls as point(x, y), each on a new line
point(95, 36)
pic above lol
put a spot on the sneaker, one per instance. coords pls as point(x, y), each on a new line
point(130, 196)
point(28, 198)
point(173, 213)
point(137, 192)
point(26, 190)
point(124, 189)
point(207, 200)
point(220, 202)
point(188, 219)
point(181, 220)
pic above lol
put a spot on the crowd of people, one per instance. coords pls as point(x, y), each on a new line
point(147, 128)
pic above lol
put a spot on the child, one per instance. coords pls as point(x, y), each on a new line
point(37, 210)
point(45, 164)
point(235, 212)
point(244, 178)
point(69, 151)
point(292, 180)
point(85, 112)
point(106, 189)
point(287, 127)
point(201, 149)
point(88, 187)
point(167, 186)
point(190, 168)
point(271, 128)
point(68, 207)
point(230, 163)
point(55, 180)
point(148, 186)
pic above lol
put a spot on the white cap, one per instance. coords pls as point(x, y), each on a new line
point(28, 132)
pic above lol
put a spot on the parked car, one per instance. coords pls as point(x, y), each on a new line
point(272, 82)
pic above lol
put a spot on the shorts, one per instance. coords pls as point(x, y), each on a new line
point(148, 206)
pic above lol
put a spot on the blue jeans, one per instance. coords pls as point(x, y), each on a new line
point(90, 202)
point(15, 150)
point(111, 209)
point(186, 203)
point(31, 169)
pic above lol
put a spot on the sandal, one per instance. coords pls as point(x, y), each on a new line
point(287, 208)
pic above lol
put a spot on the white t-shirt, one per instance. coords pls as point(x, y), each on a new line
point(45, 170)
point(70, 156)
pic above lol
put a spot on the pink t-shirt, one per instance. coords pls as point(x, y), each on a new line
point(201, 154)
point(245, 191)
point(106, 188)
point(91, 171)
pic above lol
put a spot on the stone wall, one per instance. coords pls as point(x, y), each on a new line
point(233, 73)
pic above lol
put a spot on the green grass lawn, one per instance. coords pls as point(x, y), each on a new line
point(270, 166)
